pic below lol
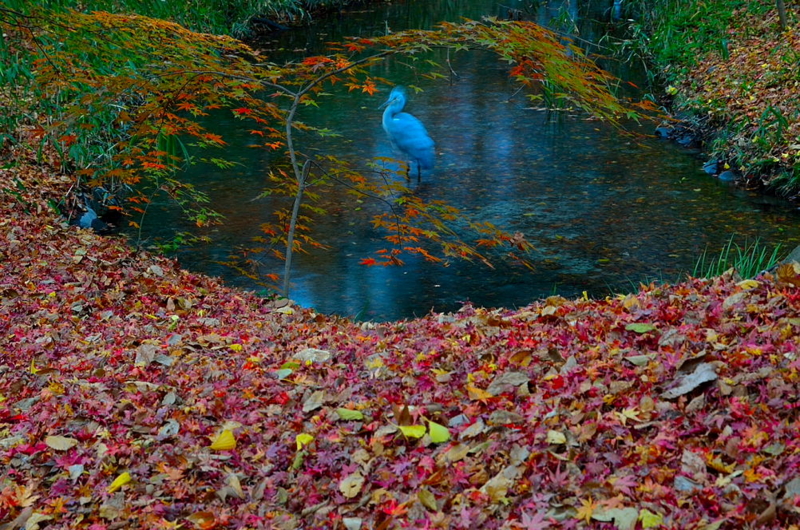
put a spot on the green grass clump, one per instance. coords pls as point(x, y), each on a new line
point(748, 260)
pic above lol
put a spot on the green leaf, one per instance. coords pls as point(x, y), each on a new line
point(290, 365)
point(412, 431)
point(650, 519)
point(640, 327)
point(348, 414)
point(439, 433)
point(297, 463)
point(427, 499)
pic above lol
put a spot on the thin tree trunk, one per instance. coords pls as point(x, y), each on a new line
point(782, 14)
point(298, 199)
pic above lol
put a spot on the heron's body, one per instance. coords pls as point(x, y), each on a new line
point(407, 133)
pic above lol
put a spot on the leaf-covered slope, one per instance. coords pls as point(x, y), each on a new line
point(746, 78)
point(137, 395)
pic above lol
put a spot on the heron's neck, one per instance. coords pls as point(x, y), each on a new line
point(390, 113)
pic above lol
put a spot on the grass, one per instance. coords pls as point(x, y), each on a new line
point(675, 33)
point(748, 260)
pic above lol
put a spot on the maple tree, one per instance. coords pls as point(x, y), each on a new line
point(153, 84)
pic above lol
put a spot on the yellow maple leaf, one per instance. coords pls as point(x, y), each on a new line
point(630, 413)
point(586, 510)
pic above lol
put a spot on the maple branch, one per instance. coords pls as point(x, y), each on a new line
point(453, 73)
point(361, 192)
point(29, 29)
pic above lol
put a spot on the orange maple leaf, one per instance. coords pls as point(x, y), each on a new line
point(369, 88)
point(214, 138)
point(69, 139)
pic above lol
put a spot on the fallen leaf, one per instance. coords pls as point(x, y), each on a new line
point(233, 487)
point(623, 518)
point(204, 520)
point(314, 401)
point(640, 327)
point(302, 440)
point(145, 354)
point(497, 487)
point(789, 273)
point(439, 433)
point(507, 382)
point(640, 360)
point(351, 485)
point(474, 430)
point(412, 431)
point(60, 443)
point(555, 437)
point(348, 414)
point(748, 284)
point(703, 373)
point(32, 523)
point(225, 441)
point(650, 519)
point(427, 499)
point(312, 355)
point(352, 523)
point(120, 481)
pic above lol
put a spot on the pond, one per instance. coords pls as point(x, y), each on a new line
point(604, 211)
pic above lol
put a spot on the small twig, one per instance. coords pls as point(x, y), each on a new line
point(453, 73)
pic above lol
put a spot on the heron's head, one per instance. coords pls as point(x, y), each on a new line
point(398, 94)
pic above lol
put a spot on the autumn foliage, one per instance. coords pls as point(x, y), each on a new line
point(150, 86)
point(137, 395)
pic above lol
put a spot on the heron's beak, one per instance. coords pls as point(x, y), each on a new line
point(386, 103)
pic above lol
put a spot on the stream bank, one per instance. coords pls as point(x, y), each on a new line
point(730, 74)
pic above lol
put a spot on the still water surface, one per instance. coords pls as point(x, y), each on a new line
point(603, 211)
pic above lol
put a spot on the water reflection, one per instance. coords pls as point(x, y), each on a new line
point(602, 210)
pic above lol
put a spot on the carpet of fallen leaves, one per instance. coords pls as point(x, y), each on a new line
point(754, 89)
point(137, 395)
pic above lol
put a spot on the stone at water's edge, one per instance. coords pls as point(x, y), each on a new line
point(711, 167)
